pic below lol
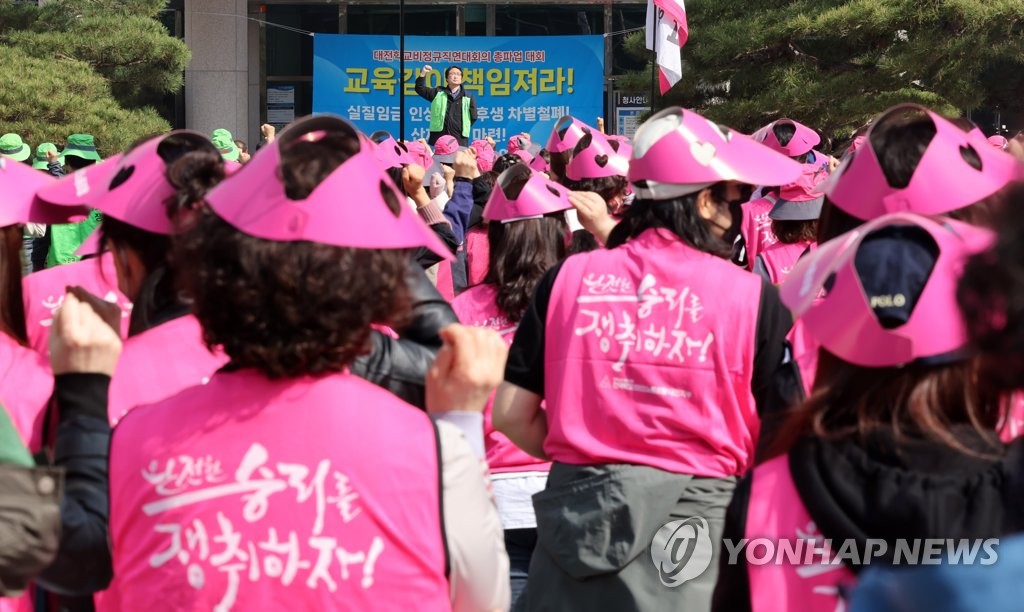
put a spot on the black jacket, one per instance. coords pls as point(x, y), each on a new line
point(400, 365)
point(452, 118)
point(886, 490)
point(83, 563)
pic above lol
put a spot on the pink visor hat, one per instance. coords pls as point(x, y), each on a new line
point(944, 179)
point(539, 164)
point(678, 152)
point(802, 200)
point(566, 133)
point(875, 311)
point(19, 184)
point(599, 159)
point(420, 153)
point(802, 141)
point(622, 144)
point(485, 158)
point(131, 187)
point(445, 148)
point(347, 209)
point(519, 142)
point(998, 142)
point(524, 155)
point(392, 155)
point(538, 197)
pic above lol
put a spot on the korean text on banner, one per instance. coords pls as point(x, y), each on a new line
point(521, 84)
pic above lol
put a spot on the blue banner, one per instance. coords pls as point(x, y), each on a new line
point(521, 83)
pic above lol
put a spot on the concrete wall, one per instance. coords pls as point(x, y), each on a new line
point(217, 88)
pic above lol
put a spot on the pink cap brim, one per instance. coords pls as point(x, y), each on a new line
point(346, 209)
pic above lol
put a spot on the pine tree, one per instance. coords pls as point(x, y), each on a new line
point(86, 66)
point(834, 65)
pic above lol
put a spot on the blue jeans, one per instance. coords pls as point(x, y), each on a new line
point(519, 543)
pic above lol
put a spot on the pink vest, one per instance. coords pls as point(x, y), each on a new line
point(477, 307)
point(444, 282)
point(478, 253)
point(780, 258)
point(26, 384)
point(1012, 425)
point(805, 354)
point(649, 358)
point(756, 227)
point(44, 293)
point(161, 362)
point(22, 603)
point(776, 512)
point(253, 494)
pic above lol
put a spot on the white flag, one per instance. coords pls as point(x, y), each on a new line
point(666, 20)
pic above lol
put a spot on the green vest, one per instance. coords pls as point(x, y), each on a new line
point(66, 238)
point(439, 108)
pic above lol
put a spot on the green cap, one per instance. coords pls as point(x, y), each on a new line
point(12, 147)
point(225, 143)
point(82, 145)
point(40, 162)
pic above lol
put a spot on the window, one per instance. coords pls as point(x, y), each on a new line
point(291, 53)
point(546, 20)
point(626, 17)
point(419, 20)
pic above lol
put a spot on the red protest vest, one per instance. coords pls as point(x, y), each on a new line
point(159, 363)
point(43, 293)
point(478, 307)
point(775, 512)
point(298, 494)
point(648, 359)
point(756, 227)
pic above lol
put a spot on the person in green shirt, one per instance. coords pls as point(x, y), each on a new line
point(66, 238)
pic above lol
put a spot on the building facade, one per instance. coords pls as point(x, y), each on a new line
point(243, 52)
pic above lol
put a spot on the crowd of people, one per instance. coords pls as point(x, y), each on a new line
point(351, 372)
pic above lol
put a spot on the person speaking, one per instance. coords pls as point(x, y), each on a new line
point(452, 109)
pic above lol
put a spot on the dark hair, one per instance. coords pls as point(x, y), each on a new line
point(506, 161)
point(784, 132)
point(991, 296)
point(244, 148)
point(192, 172)
point(850, 402)
point(520, 253)
point(77, 163)
point(583, 242)
point(291, 309)
point(792, 232)
point(557, 163)
point(12, 306)
point(679, 216)
point(395, 174)
point(450, 68)
point(835, 221)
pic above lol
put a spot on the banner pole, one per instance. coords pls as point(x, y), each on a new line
point(401, 70)
point(654, 62)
